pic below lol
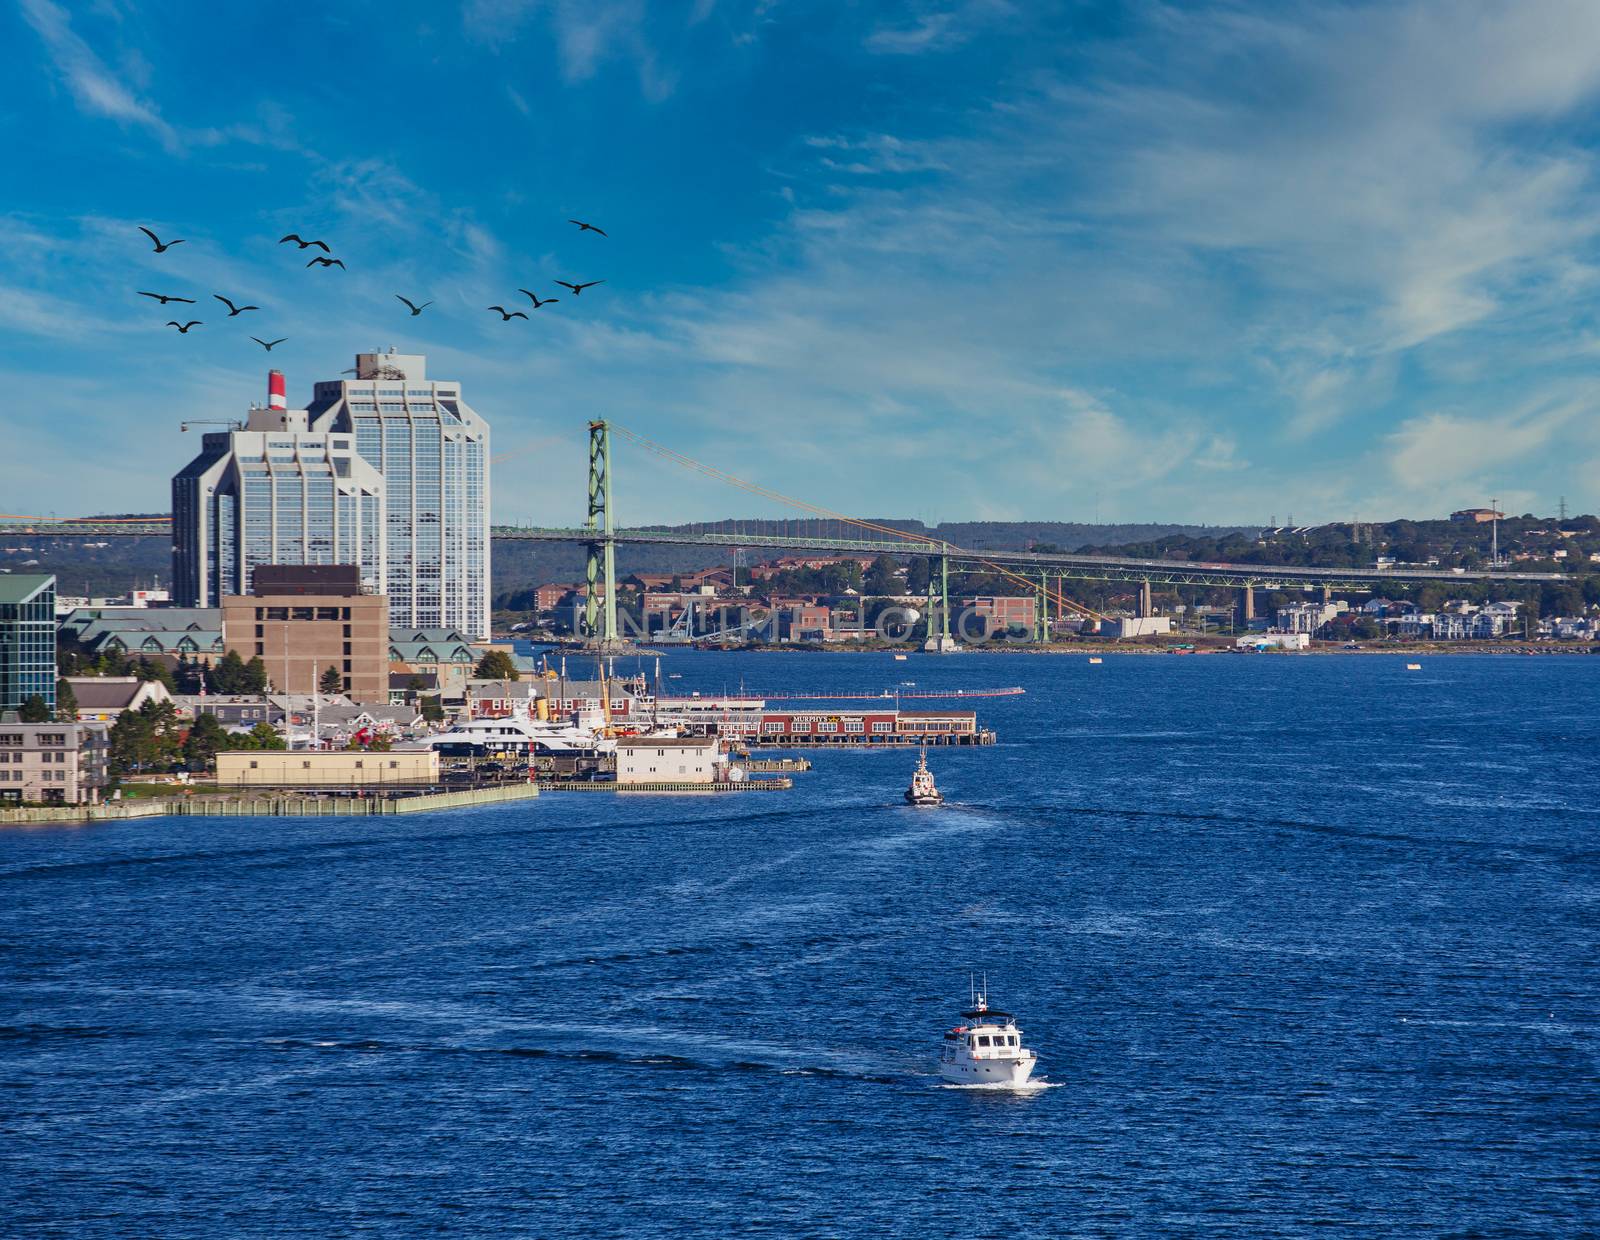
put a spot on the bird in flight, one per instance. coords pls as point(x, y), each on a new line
point(415, 309)
point(161, 246)
point(534, 298)
point(164, 299)
point(578, 288)
point(582, 227)
point(507, 315)
point(233, 309)
point(267, 344)
point(295, 237)
point(183, 328)
point(327, 262)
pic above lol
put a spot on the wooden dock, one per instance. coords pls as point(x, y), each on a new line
point(775, 764)
point(610, 785)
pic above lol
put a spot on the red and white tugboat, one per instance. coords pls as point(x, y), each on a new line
point(922, 790)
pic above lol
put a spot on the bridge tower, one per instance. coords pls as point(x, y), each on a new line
point(600, 569)
point(940, 641)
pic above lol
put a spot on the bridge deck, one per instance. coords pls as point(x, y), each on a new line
point(1064, 564)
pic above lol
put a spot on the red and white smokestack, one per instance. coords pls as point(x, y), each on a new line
point(277, 393)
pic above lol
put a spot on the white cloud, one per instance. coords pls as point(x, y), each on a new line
point(938, 30)
point(92, 84)
point(1436, 449)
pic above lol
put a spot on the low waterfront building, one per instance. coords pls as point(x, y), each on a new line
point(52, 763)
point(884, 725)
point(27, 639)
point(103, 699)
point(670, 760)
point(503, 699)
point(326, 769)
point(1273, 641)
point(1123, 627)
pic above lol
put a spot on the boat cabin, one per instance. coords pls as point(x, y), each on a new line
point(989, 1035)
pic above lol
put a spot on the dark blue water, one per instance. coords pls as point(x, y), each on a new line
point(1307, 944)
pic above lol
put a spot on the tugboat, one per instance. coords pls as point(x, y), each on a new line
point(987, 1049)
point(922, 790)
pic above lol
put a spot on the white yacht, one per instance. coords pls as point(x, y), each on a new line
point(530, 736)
point(986, 1049)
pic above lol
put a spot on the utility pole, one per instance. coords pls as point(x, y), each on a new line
point(1561, 509)
point(1494, 532)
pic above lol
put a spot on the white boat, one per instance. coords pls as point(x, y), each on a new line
point(922, 790)
point(529, 736)
point(986, 1048)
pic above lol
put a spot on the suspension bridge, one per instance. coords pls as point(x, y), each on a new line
point(826, 532)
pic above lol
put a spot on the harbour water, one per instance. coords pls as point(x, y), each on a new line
point(1303, 942)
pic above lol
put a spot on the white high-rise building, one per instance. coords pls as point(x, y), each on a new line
point(432, 449)
point(275, 492)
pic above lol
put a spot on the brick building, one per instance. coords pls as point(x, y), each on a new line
point(304, 619)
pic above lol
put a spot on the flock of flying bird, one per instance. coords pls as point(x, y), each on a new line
point(326, 259)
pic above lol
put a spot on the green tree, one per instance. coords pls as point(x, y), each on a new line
point(496, 665)
point(145, 739)
point(883, 577)
point(189, 675)
point(130, 744)
point(204, 739)
point(34, 709)
point(152, 669)
point(255, 676)
point(262, 736)
point(431, 708)
point(66, 701)
point(227, 674)
point(332, 681)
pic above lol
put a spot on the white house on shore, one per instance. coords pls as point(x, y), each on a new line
point(670, 760)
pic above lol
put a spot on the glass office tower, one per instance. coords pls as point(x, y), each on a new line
point(432, 449)
point(27, 639)
point(273, 493)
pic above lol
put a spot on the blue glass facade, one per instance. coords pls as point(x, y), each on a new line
point(273, 494)
point(433, 452)
point(27, 639)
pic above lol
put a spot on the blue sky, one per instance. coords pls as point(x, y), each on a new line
point(954, 259)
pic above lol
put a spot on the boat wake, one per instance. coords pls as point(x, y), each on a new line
point(1001, 1087)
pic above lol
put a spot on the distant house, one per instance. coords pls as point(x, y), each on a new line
point(236, 712)
point(445, 654)
point(401, 692)
point(102, 699)
point(1477, 516)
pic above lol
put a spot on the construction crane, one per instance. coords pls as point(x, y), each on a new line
point(230, 423)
